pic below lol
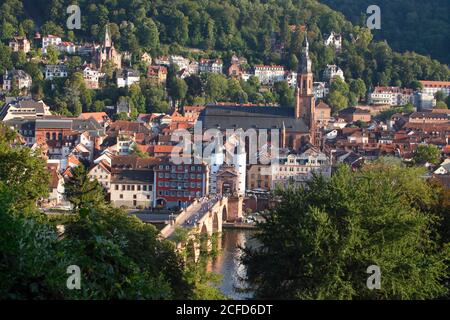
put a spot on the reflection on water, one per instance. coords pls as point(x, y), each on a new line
point(228, 262)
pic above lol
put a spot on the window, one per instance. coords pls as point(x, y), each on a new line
point(132, 187)
point(150, 187)
point(117, 187)
point(138, 188)
point(134, 196)
point(128, 187)
point(47, 136)
point(145, 187)
point(121, 196)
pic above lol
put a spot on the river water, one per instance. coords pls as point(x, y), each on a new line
point(228, 263)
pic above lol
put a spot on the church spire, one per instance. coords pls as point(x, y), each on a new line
point(305, 60)
point(108, 42)
point(306, 47)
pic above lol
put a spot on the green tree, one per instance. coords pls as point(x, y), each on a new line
point(5, 58)
point(321, 238)
point(215, 86)
point(235, 92)
point(149, 35)
point(286, 95)
point(358, 87)
point(52, 28)
point(52, 54)
point(22, 171)
point(81, 191)
point(293, 62)
point(337, 101)
point(427, 153)
point(441, 105)
point(178, 89)
point(439, 96)
point(98, 106)
point(6, 31)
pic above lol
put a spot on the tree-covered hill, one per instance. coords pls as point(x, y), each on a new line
point(414, 25)
point(264, 31)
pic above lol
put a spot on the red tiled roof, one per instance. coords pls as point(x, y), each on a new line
point(72, 159)
point(435, 84)
point(98, 116)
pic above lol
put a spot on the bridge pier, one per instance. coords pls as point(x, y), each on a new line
point(235, 204)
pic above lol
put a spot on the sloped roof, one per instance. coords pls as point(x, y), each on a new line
point(257, 117)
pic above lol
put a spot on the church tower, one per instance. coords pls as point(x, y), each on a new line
point(305, 103)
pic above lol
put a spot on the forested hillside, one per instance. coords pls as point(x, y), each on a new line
point(251, 28)
point(262, 31)
point(408, 25)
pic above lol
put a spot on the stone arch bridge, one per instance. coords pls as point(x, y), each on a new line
point(204, 217)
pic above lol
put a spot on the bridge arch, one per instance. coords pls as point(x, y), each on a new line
point(191, 254)
point(204, 229)
point(204, 239)
point(161, 202)
point(215, 222)
point(224, 213)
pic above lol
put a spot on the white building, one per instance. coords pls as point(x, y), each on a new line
point(320, 90)
point(425, 101)
point(91, 77)
point(20, 44)
point(50, 40)
point(127, 77)
point(162, 61)
point(56, 187)
point(193, 67)
point(268, 75)
point(334, 40)
point(393, 96)
point(102, 173)
point(297, 169)
point(291, 78)
point(55, 71)
point(24, 109)
point(444, 167)
point(210, 65)
point(432, 87)
point(179, 61)
point(16, 78)
point(332, 71)
point(67, 47)
point(132, 188)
